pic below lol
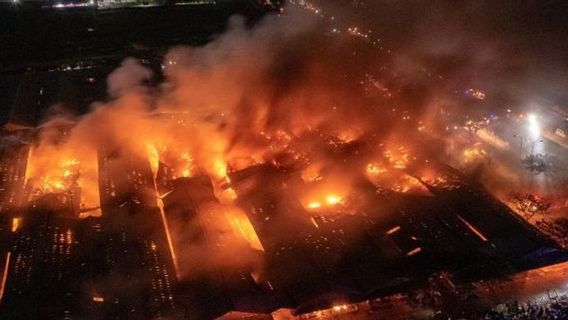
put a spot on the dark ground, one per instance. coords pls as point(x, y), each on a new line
point(39, 36)
point(34, 43)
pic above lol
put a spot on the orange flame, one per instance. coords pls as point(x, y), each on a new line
point(242, 226)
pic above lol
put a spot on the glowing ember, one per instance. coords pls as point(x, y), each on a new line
point(326, 201)
point(229, 195)
point(473, 154)
point(5, 275)
point(333, 200)
point(314, 205)
point(398, 181)
point(187, 169)
point(242, 226)
point(16, 223)
point(398, 158)
point(314, 222)
point(374, 169)
point(311, 173)
point(474, 230)
point(393, 230)
point(413, 251)
point(348, 135)
point(340, 307)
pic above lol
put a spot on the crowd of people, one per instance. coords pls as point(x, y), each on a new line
point(556, 229)
point(550, 308)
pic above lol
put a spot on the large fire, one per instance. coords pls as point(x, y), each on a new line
point(253, 98)
point(57, 179)
point(51, 171)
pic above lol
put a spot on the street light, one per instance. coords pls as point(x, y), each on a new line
point(534, 127)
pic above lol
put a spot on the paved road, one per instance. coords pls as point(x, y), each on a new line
point(529, 285)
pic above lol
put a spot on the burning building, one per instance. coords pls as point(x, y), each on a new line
point(250, 175)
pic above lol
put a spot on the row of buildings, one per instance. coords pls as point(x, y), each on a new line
point(166, 248)
point(117, 4)
point(59, 266)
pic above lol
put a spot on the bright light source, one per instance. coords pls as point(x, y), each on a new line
point(314, 205)
point(413, 251)
point(393, 230)
point(333, 200)
point(534, 127)
point(16, 223)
